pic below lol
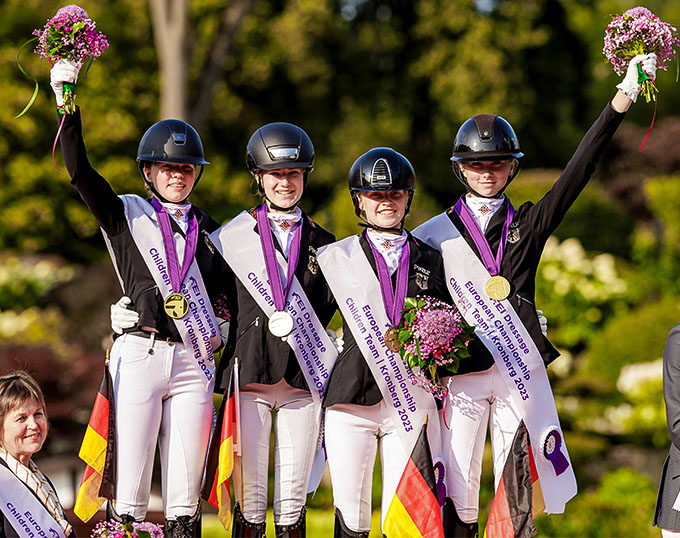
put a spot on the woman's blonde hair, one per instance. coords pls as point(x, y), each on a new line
point(15, 389)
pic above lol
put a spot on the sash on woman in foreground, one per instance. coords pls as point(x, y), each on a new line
point(501, 330)
point(22, 509)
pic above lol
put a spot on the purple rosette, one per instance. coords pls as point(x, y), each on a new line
point(551, 444)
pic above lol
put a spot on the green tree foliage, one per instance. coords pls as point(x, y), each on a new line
point(618, 507)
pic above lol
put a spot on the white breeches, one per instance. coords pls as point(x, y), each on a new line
point(474, 400)
point(159, 397)
point(352, 436)
point(296, 431)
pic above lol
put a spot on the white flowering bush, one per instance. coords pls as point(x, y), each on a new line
point(577, 292)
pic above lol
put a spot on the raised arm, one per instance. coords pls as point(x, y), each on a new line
point(95, 191)
point(550, 210)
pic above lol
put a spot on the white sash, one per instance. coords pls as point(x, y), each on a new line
point(24, 512)
point(501, 330)
point(239, 245)
point(357, 291)
point(198, 328)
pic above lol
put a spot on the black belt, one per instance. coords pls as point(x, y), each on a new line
point(156, 336)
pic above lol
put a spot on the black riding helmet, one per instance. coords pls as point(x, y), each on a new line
point(381, 169)
point(278, 146)
point(485, 137)
point(170, 141)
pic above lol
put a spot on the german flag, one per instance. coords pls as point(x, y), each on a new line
point(414, 510)
point(220, 462)
point(98, 452)
point(519, 498)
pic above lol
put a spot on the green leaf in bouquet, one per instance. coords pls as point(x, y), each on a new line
point(76, 28)
point(409, 316)
point(453, 367)
point(410, 359)
point(410, 303)
point(420, 303)
point(404, 335)
point(463, 353)
point(143, 534)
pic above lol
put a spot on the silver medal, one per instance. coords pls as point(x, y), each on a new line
point(281, 323)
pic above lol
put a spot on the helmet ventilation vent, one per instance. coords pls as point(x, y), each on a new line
point(381, 176)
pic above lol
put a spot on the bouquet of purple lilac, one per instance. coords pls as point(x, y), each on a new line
point(113, 529)
point(432, 334)
point(70, 35)
point(639, 31)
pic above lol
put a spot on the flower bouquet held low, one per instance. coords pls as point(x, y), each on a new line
point(113, 529)
point(69, 35)
point(432, 334)
point(639, 31)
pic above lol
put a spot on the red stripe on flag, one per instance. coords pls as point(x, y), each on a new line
point(89, 471)
point(417, 498)
point(499, 524)
point(99, 419)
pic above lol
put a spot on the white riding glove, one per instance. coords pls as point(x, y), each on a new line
point(223, 326)
point(121, 316)
point(543, 322)
point(630, 85)
point(338, 342)
point(63, 71)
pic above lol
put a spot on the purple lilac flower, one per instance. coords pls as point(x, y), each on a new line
point(56, 40)
point(639, 31)
point(73, 11)
point(433, 328)
point(154, 530)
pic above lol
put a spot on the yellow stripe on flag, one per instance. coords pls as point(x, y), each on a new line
point(93, 450)
point(226, 459)
point(398, 522)
point(88, 501)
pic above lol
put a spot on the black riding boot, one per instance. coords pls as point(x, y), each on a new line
point(454, 527)
point(242, 528)
point(294, 530)
point(342, 531)
point(112, 515)
point(184, 526)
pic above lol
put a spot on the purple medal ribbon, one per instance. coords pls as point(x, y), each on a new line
point(493, 265)
point(278, 292)
point(393, 299)
point(176, 273)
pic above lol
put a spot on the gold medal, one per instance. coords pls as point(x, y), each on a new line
point(392, 339)
point(176, 305)
point(497, 288)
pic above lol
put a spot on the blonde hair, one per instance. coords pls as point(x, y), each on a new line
point(15, 389)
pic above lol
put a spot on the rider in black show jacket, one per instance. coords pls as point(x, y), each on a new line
point(351, 380)
point(107, 209)
point(530, 229)
point(265, 358)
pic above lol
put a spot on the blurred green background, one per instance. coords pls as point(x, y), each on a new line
point(357, 74)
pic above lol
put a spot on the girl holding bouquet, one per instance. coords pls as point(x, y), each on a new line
point(491, 254)
point(163, 375)
point(371, 402)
